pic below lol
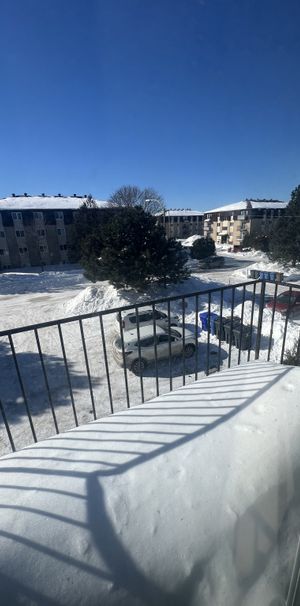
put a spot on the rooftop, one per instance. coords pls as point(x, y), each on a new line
point(180, 212)
point(246, 204)
point(43, 202)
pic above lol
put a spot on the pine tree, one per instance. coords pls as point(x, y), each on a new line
point(285, 237)
point(202, 248)
point(134, 252)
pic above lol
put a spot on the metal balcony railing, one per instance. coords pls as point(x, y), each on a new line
point(39, 374)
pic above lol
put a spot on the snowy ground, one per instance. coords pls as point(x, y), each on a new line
point(32, 297)
point(192, 499)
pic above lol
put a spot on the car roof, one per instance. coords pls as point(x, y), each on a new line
point(141, 310)
point(293, 292)
point(145, 331)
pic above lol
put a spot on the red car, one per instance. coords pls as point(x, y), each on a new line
point(282, 302)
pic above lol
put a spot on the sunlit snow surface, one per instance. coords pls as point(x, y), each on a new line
point(191, 499)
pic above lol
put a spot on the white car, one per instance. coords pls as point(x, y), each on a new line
point(147, 346)
point(145, 315)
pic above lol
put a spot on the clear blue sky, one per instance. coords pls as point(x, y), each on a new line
point(197, 98)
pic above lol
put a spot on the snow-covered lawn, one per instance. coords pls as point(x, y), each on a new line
point(36, 297)
point(191, 499)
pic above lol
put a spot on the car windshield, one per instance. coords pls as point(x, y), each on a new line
point(285, 299)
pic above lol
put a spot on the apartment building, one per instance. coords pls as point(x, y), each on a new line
point(229, 224)
point(182, 223)
point(37, 230)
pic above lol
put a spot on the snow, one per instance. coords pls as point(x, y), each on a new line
point(192, 498)
point(45, 202)
point(190, 241)
point(183, 212)
point(30, 297)
point(245, 204)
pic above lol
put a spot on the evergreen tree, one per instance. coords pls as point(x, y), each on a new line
point(87, 241)
point(285, 237)
point(202, 248)
point(134, 251)
point(257, 241)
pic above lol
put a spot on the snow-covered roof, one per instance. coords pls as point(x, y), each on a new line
point(181, 213)
point(246, 204)
point(45, 202)
point(162, 502)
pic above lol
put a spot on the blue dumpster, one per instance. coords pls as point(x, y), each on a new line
point(204, 321)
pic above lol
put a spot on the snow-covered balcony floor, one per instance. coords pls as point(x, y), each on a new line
point(190, 499)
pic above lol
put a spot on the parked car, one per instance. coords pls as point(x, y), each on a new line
point(282, 302)
point(145, 315)
point(147, 346)
point(211, 262)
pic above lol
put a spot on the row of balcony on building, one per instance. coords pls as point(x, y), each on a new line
point(30, 237)
point(35, 238)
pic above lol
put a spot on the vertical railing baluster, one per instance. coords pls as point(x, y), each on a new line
point(41, 357)
point(286, 324)
point(208, 334)
point(231, 325)
point(220, 327)
point(22, 387)
point(106, 364)
point(12, 445)
point(272, 321)
point(242, 325)
point(251, 321)
point(196, 339)
point(61, 339)
point(260, 319)
point(87, 367)
point(155, 348)
point(170, 349)
point(124, 360)
point(139, 352)
point(183, 339)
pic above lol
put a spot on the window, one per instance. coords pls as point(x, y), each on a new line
point(43, 248)
point(23, 250)
point(61, 231)
point(63, 247)
point(147, 342)
point(17, 216)
point(20, 233)
point(143, 317)
point(2, 251)
point(165, 339)
point(41, 232)
point(38, 215)
point(2, 234)
point(159, 315)
point(59, 215)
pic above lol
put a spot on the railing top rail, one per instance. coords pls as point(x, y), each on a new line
point(104, 312)
point(95, 314)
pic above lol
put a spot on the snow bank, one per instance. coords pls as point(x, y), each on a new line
point(190, 499)
point(190, 241)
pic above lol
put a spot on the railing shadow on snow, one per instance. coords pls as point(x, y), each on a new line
point(71, 474)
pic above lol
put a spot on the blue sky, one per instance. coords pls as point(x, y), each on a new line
point(199, 99)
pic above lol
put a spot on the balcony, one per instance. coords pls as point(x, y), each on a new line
point(121, 505)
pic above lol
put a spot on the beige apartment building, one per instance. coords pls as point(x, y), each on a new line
point(37, 230)
point(182, 223)
point(229, 224)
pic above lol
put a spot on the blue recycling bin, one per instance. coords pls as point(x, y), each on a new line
point(204, 321)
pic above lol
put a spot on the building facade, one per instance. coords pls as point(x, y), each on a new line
point(229, 224)
point(37, 230)
point(182, 223)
